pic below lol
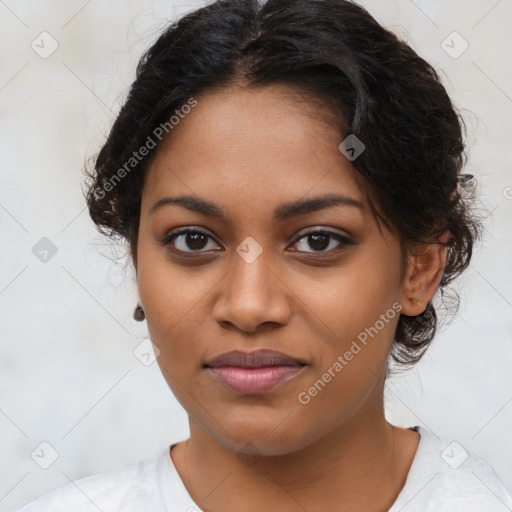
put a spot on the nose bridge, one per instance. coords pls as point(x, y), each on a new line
point(252, 294)
point(250, 272)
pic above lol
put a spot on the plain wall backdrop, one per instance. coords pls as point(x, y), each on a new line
point(70, 377)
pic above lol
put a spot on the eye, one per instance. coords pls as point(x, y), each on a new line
point(320, 239)
point(188, 238)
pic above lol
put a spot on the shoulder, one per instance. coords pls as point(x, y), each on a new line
point(129, 488)
point(445, 476)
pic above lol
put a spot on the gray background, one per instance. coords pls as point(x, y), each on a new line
point(70, 377)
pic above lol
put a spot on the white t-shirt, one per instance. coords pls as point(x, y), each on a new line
point(443, 478)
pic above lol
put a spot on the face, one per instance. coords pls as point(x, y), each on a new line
point(267, 266)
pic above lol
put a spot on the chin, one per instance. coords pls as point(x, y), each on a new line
point(268, 438)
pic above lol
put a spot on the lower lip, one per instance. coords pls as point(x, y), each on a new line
point(250, 381)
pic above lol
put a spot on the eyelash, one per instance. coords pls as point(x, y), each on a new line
point(343, 241)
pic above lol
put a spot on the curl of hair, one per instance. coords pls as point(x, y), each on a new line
point(332, 50)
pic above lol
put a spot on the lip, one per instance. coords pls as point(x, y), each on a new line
point(257, 359)
point(254, 372)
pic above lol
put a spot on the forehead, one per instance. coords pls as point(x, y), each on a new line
point(256, 146)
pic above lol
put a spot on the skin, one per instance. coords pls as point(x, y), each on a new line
point(249, 150)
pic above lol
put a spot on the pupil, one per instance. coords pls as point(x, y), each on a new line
point(195, 240)
point(320, 246)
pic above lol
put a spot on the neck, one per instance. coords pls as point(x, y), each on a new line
point(359, 466)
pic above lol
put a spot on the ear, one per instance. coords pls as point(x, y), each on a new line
point(424, 270)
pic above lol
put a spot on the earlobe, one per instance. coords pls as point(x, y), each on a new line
point(424, 271)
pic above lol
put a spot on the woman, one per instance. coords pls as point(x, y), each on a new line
point(288, 177)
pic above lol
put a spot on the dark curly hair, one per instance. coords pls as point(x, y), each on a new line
point(332, 50)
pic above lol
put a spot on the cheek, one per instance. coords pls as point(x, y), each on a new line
point(355, 316)
point(175, 301)
point(167, 291)
point(352, 297)
point(351, 360)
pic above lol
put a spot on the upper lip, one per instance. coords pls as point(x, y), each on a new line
point(256, 359)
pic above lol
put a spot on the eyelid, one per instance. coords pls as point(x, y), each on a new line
point(321, 229)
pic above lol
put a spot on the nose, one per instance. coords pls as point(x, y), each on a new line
point(252, 295)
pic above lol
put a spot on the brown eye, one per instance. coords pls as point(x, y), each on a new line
point(188, 240)
point(320, 240)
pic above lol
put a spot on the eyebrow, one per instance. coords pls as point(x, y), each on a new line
point(282, 212)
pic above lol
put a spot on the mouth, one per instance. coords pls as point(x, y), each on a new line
point(254, 372)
